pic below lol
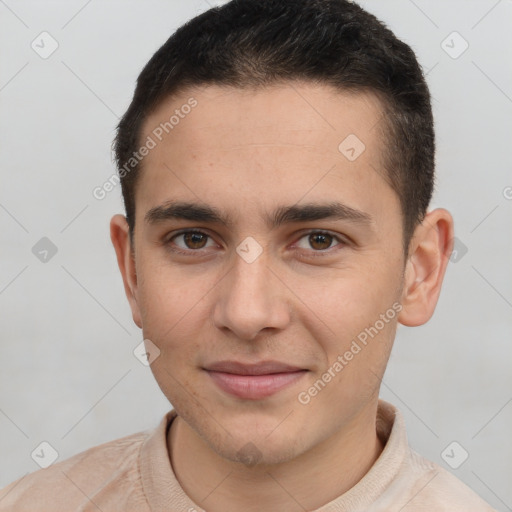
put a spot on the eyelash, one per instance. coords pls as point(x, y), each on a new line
point(317, 253)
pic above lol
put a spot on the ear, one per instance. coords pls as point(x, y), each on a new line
point(120, 236)
point(429, 252)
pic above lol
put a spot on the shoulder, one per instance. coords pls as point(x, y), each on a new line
point(436, 488)
point(82, 481)
point(413, 483)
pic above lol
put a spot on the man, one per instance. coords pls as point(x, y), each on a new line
point(277, 163)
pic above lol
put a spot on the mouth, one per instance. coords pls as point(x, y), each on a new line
point(253, 381)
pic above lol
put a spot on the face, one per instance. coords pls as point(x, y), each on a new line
point(268, 264)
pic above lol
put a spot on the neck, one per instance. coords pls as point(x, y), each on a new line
point(306, 482)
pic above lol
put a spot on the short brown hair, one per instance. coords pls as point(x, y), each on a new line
point(260, 42)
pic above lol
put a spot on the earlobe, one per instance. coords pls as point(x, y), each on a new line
point(429, 253)
point(120, 236)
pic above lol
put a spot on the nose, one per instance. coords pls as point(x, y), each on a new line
point(251, 298)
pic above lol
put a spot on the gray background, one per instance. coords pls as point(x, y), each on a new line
point(67, 372)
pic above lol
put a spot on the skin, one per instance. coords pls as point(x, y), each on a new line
point(301, 302)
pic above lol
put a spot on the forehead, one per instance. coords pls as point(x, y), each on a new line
point(255, 114)
point(282, 142)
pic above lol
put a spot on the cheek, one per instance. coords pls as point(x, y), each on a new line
point(343, 306)
point(172, 320)
point(169, 295)
point(355, 364)
point(358, 323)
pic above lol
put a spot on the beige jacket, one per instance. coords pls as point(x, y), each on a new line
point(134, 474)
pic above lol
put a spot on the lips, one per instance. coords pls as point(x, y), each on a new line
point(263, 368)
point(253, 381)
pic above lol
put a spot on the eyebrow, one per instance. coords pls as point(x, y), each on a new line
point(180, 210)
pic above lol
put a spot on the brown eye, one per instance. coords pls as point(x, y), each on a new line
point(320, 241)
point(190, 241)
point(195, 240)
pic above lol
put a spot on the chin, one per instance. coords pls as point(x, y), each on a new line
point(257, 450)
